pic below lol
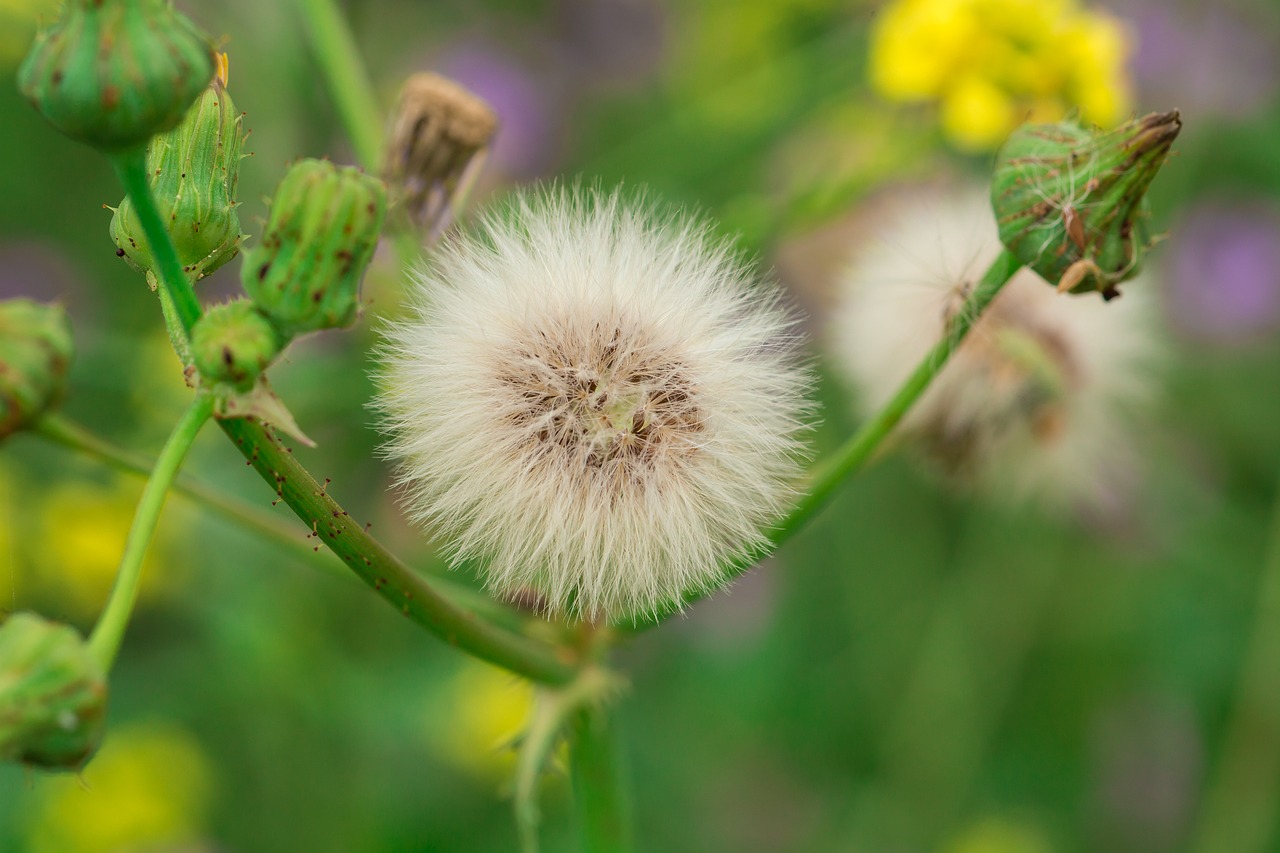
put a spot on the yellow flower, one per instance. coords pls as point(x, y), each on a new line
point(991, 64)
point(150, 786)
point(488, 709)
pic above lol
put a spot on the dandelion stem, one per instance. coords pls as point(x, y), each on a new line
point(417, 599)
point(604, 813)
point(1238, 814)
point(131, 166)
point(346, 76)
point(107, 635)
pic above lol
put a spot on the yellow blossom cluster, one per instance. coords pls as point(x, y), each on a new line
point(992, 64)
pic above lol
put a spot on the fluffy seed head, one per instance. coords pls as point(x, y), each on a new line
point(597, 402)
point(1038, 401)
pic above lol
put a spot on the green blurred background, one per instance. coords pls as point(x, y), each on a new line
point(917, 671)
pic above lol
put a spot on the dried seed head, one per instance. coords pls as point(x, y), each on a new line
point(600, 404)
point(439, 133)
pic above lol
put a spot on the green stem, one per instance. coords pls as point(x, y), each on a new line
point(346, 76)
point(417, 599)
point(107, 635)
point(858, 450)
point(131, 166)
point(604, 813)
point(1238, 814)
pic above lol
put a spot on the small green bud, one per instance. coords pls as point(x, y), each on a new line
point(234, 343)
point(320, 236)
point(53, 694)
point(110, 73)
point(35, 351)
point(1071, 203)
point(193, 170)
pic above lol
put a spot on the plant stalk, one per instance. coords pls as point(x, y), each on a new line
point(107, 635)
point(604, 812)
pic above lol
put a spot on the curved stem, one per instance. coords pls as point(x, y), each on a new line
point(105, 640)
point(131, 166)
point(336, 53)
point(417, 599)
point(863, 444)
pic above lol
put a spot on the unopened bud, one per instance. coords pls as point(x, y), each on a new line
point(234, 343)
point(1071, 203)
point(35, 351)
point(110, 73)
point(193, 170)
point(439, 130)
point(320, 236)
point(53, 694)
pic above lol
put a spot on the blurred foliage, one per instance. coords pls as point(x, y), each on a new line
point(915, 672)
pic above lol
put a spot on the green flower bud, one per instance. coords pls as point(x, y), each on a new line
point(320, 236)
point(35, 351)
point(1071, 203)
point(193, 170)
point(110, 73)
point(53, 694)
point(234, 343)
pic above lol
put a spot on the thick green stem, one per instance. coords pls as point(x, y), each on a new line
point(858, 450)
point(417, 599)
point(109, 632)
point(1238, 814)
point(604, 812)
point(335, 52)
point(131, 166)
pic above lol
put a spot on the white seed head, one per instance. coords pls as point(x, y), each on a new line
point(596, 402)
point(1038, 402)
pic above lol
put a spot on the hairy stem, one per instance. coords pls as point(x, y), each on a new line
point(335, 52)
point(417, 599)
point(604, 813)
point(131, 166)
point(107, 635)
point(1238, 813)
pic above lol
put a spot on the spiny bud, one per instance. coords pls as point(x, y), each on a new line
point(193, 171)
point(234, 343)
point(35, 351)
point(439, 130)
point(110, 73)
point(320, 236)
point(53, 694)
point(1071, 203)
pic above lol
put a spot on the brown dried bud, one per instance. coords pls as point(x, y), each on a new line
point(435, 147)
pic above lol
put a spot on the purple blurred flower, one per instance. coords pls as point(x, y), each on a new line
point(1205, 58)
point(1223, 272)
point(529, 114)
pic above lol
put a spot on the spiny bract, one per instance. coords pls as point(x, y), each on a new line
point(597, 402)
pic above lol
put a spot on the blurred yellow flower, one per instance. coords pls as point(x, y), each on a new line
point(149, 786)
point(488, 709)
point(998, 835)
point(991, 64)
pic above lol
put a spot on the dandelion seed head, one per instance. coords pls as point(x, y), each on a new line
point(594, 401)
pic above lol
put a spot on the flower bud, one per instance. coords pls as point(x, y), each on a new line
point(234, 343)
point(35, 351)
point(1071, 203)
point(111, 73)
point(440, 129)
point(193, 170)
point(53, 694)
point(320, 236)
